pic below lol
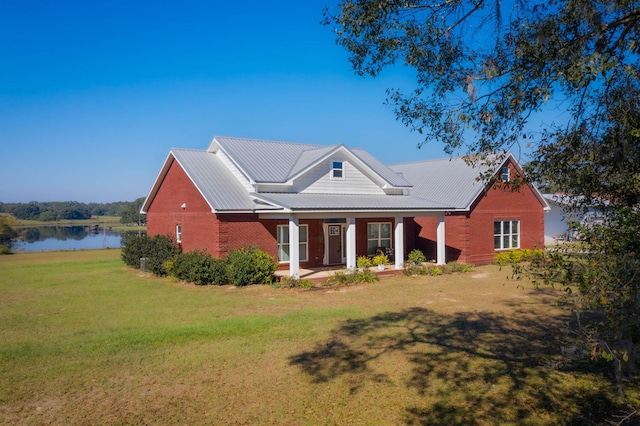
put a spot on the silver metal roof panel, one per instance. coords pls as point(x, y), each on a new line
point(214, 181)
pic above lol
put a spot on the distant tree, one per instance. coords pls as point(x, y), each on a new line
point(130, 213)
point(29, 211)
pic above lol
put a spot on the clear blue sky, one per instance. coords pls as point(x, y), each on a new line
point(94, 94)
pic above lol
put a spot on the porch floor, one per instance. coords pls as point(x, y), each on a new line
point(322, 273)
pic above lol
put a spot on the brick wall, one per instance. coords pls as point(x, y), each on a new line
point(469, 236)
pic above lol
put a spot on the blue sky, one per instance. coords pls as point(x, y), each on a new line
point(94, 94)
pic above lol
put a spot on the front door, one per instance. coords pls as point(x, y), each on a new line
point(334, 244)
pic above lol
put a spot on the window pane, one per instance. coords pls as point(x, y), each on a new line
point(283, 253)
point(506, 228)
point(337, 173)
point(373, 230)
point(337, 164)
point(283, 234)
point(385, 231)
point(514, 241)
point(514, 227)
point(386, 243)
point(497, 228)
point(303, 234)
point(496, 242)
point(371, 247)
point(505, 241)
point(303, 251)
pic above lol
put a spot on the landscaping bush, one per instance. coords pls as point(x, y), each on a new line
point(293, 282)
point(157, 250)
point(249, 265)
point(363, 262)
point(416, 256)
point(411, 269)
point(512, 257)
point(453, 267)
point(353, 277)
point(196, 267)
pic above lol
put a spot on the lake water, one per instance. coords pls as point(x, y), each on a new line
point(49, 238)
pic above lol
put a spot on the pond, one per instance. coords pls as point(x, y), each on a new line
point(50, 238)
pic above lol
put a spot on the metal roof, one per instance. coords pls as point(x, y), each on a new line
point(450, 181)
point(277, 162)
point(264, 161)
point(445, 184)
point(214, 180)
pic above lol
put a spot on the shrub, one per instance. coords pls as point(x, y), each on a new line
point(416, 256)
point(157, 249)
point(380, 259)
point(453, 267)
point(249, 265)
point(194, 267)
point(412, 270)
point(293, 282)
point(353, 277)
point(512, 257)
point(363, 262)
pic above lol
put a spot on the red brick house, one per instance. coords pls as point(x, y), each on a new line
point(314, 205)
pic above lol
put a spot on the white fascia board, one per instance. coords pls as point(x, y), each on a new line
point(213, 210)
point(232, 160)
point(156, 183)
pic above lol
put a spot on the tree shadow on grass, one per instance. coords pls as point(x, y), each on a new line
point(468, 368)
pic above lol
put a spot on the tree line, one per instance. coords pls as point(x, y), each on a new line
point(128, 211)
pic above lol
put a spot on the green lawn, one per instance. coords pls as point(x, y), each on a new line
point(85, 340)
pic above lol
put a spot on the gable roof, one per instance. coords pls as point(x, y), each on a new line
point(439, 185)
point(278, 162)
point(454, 182)
point(210, 176)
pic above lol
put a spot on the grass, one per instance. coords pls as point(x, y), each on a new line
point(85, 340)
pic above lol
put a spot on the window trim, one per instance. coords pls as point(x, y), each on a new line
point(390, 238)
point(501, 236)
point(279, 244)
point(337, 167)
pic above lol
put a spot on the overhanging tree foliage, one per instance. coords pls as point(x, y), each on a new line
point(484, 69)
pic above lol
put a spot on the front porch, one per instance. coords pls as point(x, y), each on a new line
point(345, 238)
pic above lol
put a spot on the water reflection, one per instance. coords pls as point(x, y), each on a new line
point(48, 238)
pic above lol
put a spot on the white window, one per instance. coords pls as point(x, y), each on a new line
point(337, 172)
point(378, 237)
point(506, 234)
point(178, 233)
point(283, 243)
point(506, 174)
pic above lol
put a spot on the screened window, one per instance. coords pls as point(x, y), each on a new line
point(337, 171)
point(284, 252)
point(178, 233)
point(506, 234)
point(378, 236)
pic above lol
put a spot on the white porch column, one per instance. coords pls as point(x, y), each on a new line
point(351, 242)
point(398, 248)
point(440, 244)
point(294, 247)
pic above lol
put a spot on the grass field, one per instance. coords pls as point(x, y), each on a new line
point(85, 340)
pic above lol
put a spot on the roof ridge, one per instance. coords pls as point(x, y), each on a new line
point(317, 146)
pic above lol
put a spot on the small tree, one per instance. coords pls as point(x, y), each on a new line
point(8, 233)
